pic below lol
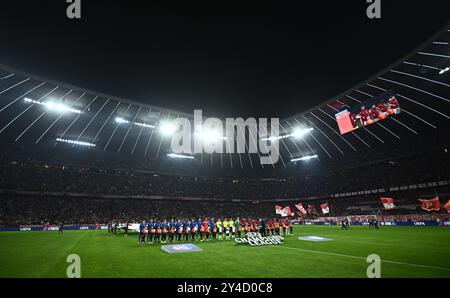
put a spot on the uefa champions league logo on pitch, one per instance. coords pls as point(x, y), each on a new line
point(211, 135)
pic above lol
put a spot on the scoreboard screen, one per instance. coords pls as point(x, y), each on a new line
point(368, 112)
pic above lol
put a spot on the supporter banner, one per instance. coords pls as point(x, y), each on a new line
point(300, 208)
point(286, 211)
point(430, 204)
point(278, 209)
point(432, 184)
point(447, 206)
point(325, 208)
point(388, 203)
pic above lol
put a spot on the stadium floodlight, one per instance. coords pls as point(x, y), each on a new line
point(308, 157)
point(144, 124)
point(167, 128)
point(297, 133)
point(59, 107)
point(74, 142)
point(444, 70)
point(121, 120)
point(300, 132)
point(210, 135)
point(174, 155)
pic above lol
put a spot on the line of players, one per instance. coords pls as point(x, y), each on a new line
point(208, 229)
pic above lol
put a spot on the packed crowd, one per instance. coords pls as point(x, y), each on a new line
point(26, 210)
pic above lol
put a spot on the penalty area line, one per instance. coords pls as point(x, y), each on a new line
point(363, 258)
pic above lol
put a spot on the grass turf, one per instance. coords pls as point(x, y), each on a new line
point(404, 251)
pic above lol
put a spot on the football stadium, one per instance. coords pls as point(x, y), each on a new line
point(355, 185)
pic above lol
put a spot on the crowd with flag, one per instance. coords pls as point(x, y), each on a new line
point(430, 204)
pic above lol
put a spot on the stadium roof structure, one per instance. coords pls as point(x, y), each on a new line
point(420, 81)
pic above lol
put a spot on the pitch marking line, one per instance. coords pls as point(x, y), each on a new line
point(364, 258)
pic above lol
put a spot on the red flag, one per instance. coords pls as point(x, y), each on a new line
point(278, 209)
point(287, 211)
point(301, 208)
point(325, 208)
point(430, 204)
point(447, 206)
point(388, 203)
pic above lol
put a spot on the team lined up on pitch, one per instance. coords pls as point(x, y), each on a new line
point(209, 229)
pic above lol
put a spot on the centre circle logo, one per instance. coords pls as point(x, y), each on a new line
point(257, 239)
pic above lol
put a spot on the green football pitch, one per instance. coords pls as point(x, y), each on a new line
point(404, 252)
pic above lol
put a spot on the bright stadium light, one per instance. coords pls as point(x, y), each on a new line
point(300, 132)
point(210, 135)
point(297, 133)
point(167, 128)
point(59, 107)
point(444, 70)
point(121, 120)
point(144, 125)
point(174, 155)
point(308, 157)
point(74, 142)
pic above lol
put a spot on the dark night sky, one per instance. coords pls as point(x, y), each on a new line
point(271, 60)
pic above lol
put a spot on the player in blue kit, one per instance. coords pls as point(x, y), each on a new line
point(179, 230)
point(150, 232)
point(157, 232)
point(171, 230)
point(141, 239)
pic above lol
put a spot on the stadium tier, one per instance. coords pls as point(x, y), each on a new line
point(374, 156)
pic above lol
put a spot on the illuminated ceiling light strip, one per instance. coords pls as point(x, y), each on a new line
point(441, 42)
point(3, 91)
point(92, 119)
point(29, 107)
point(53, 106)
point(337, 147)
point(298, 148)
point(421, 65)
point(59, 117)
point(293, 143)
point(8, 76)
point(74, 142)
point(414, 88)
point(78, 116)
point(444, 70)
point(298, 133)
point(39, 117)
point(432, 54)
point(151, 135)
point(16, 99)
point(129, 128)
point(419, 77)
point(421, 104)
point(174, 155)
point(115, 129)
point(167, 128)
point(304, 158)
point(106, 121)
point(140, 131)
point(312, 136)
point(370, 95)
